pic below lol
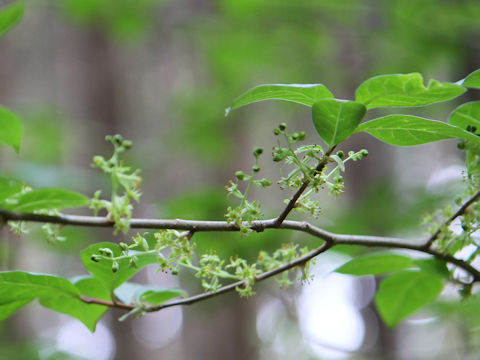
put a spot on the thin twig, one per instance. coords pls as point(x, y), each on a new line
point(293, 200)
point(112, 304)
point(447, 222)
point(193, 299)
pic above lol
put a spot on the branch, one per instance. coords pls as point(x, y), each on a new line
point(293, 201)
point(331, 239)
point(447, 222)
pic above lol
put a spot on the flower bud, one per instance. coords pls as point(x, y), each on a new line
point(282, 126)
point(257, 151)
point(256, 168)
point(240, 175)
point(276, 131)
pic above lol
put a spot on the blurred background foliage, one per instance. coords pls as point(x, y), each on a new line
point(161, 73)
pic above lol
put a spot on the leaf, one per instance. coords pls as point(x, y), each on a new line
point(44, 199)
point(10, 128)
point(472, 80)
point(375, 264)
point(9, 187)
point(434, 266)
point(404, 90)
point(466, 114)
point(306, 94)
point(406, 130)
point(335, 120)
point(154, 295)
point(157, 297)
point(88, 314)
point(18, 288)
point(10, 16)
point(102, 270)
point(403, 293)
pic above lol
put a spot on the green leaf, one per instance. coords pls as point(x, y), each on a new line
point(466, 114)
point(9, 187)
point(157, 297)
point(375, 264)
point(154, 295)
point(406, 130)
point(306, 94)
point(88, 314)
point(10, 129)
point(10, 16)
point(45, 199)
point(472, 80)
point(18, 288)
point(335, 120)
point(404, 90)
point(403, 293)
point(434, 266)
point(102, 270)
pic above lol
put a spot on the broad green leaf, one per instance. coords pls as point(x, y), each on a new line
point(10, 129)
point(472, 80)
point(406, 130)
point(434, 266)
point(10, 16)
point(306, 94)
point(18, 288)
point(154, 295)
point(466, 114)
point(102, 270)
point(9, 187)
point(10, 307)
point(404, 90)
point(375, 264)
point(45, 199)
point(335, 120)
point(157, 297)
point(403, 293)
point(88, 314)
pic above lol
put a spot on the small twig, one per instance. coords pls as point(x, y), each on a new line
point(293, 200)
point(228, 288)
point(447, 222)
point(112, 304)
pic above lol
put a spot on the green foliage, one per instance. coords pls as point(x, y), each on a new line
point(9, 187)
point(19, 288)
point(375, 264)
point(11, 126)
point(10, 16)
point(472, 80)
point(466, 116)
point(403, 293)
point(404, 90)
point(105, 262)
point(336, 120)
point(44, 199)
point(407, 130)
point(306, 94)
